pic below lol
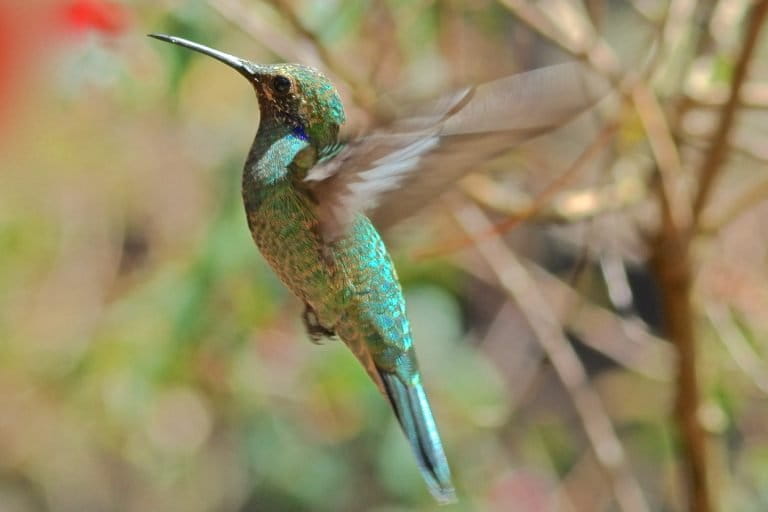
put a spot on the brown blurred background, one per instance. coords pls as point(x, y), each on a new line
point(589, 311)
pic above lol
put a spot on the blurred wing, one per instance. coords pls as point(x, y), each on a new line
point(394, 171)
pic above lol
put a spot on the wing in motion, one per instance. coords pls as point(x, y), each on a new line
point(393, 171)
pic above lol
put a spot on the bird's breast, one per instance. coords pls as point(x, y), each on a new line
point(285, 229)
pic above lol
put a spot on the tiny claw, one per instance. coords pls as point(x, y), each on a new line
point(316, 331)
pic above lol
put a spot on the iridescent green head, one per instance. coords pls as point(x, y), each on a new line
point(296, 96)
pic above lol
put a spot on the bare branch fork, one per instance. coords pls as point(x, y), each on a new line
point(681, 220)
point(671, 252)
point(672, 264)
point(523, 290)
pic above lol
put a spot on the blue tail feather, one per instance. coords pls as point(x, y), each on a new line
point(415, 416)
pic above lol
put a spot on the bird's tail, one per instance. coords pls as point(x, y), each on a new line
point(415, 416)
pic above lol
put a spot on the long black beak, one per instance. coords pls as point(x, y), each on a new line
point(245, 68)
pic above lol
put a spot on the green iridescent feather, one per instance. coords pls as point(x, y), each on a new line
point(309, 198)
point(351, 285)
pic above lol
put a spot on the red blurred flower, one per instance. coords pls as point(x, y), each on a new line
point(100, 15)
point(32, 32)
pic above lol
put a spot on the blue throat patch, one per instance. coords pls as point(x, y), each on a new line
point(300, 133)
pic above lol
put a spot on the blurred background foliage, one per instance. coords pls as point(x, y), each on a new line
point(150, 360)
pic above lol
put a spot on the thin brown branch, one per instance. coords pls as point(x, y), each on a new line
point(590, 152)
point(305, 49)
point(567, 207)
point(718, 149)
point(674, 203)
point(628, 342)
point(520, 364)
point(738, 346)
point(755, 194)
point(752, 148)
point(753, 96)
point(590, 47)
point(672, 264)
point(598, 145)
point(523, 290)
point(265, 33)
point(363, 93)
point(578, 487)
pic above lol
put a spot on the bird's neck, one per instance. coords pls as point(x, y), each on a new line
point(273, 150)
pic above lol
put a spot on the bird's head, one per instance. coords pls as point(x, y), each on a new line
point(297, 97)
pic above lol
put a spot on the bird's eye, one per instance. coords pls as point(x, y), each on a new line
point(281, 84)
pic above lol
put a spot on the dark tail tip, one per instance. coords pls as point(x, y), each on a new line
point(415, 416)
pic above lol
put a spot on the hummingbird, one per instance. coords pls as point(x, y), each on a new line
point(315, 203)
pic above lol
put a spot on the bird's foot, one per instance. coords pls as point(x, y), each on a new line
point(316, 331)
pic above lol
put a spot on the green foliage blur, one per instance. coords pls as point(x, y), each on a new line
point(150, 360)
